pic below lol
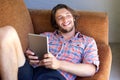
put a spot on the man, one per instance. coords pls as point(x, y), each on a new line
point(71, 53)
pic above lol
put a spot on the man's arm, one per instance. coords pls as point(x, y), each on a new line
point(78, 69)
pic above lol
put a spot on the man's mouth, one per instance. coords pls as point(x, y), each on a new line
point(66, 24)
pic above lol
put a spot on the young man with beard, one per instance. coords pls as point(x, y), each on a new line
point(71, 53)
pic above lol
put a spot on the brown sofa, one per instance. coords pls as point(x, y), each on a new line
point(95, 24)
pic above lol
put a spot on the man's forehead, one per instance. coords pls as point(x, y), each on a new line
point(62, 11)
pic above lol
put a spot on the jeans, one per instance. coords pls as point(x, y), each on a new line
point(27, 72)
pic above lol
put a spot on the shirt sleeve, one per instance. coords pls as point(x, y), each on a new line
point(90, 55)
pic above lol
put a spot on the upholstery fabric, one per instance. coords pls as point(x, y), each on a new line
point(14, 13)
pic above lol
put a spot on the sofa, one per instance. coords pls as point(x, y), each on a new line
point(94, 24)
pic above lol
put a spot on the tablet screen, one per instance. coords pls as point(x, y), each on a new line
point(38, 44)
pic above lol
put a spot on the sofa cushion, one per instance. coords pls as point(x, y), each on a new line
point(15, 13)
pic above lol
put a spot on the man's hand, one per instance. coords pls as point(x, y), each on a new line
point(32, 58)
point(50, 61)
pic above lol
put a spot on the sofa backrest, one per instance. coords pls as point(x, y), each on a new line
point(15, 13)
point(94, 24)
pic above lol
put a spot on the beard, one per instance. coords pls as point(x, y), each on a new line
point(65, 30)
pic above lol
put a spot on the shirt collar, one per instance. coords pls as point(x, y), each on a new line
point(57, 33)
point(77, 34)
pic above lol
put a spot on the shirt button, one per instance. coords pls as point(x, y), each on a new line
point(58, 54)
point(70, 41)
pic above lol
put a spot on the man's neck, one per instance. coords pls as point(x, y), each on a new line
point(68, 35)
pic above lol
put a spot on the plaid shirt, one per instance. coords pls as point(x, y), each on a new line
point(79, 49)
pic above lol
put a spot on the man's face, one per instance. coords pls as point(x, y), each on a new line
point(65, 20)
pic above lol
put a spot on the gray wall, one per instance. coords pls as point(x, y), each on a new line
point(109, 6)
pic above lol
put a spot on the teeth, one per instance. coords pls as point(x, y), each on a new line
point(66, 23)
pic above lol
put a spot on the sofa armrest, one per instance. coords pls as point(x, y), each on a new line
point(105, 64)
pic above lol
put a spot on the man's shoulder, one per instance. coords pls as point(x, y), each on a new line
point(86, 37)
point(83, 35)
point(48, 33)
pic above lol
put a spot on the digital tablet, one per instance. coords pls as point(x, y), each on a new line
point(38, 44)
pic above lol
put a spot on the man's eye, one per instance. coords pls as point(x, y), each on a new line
point(69, 15)
point(59, 18)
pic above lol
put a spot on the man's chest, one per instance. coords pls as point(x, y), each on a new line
point(67, 50)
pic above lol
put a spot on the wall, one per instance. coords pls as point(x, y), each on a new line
point(109, 6)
